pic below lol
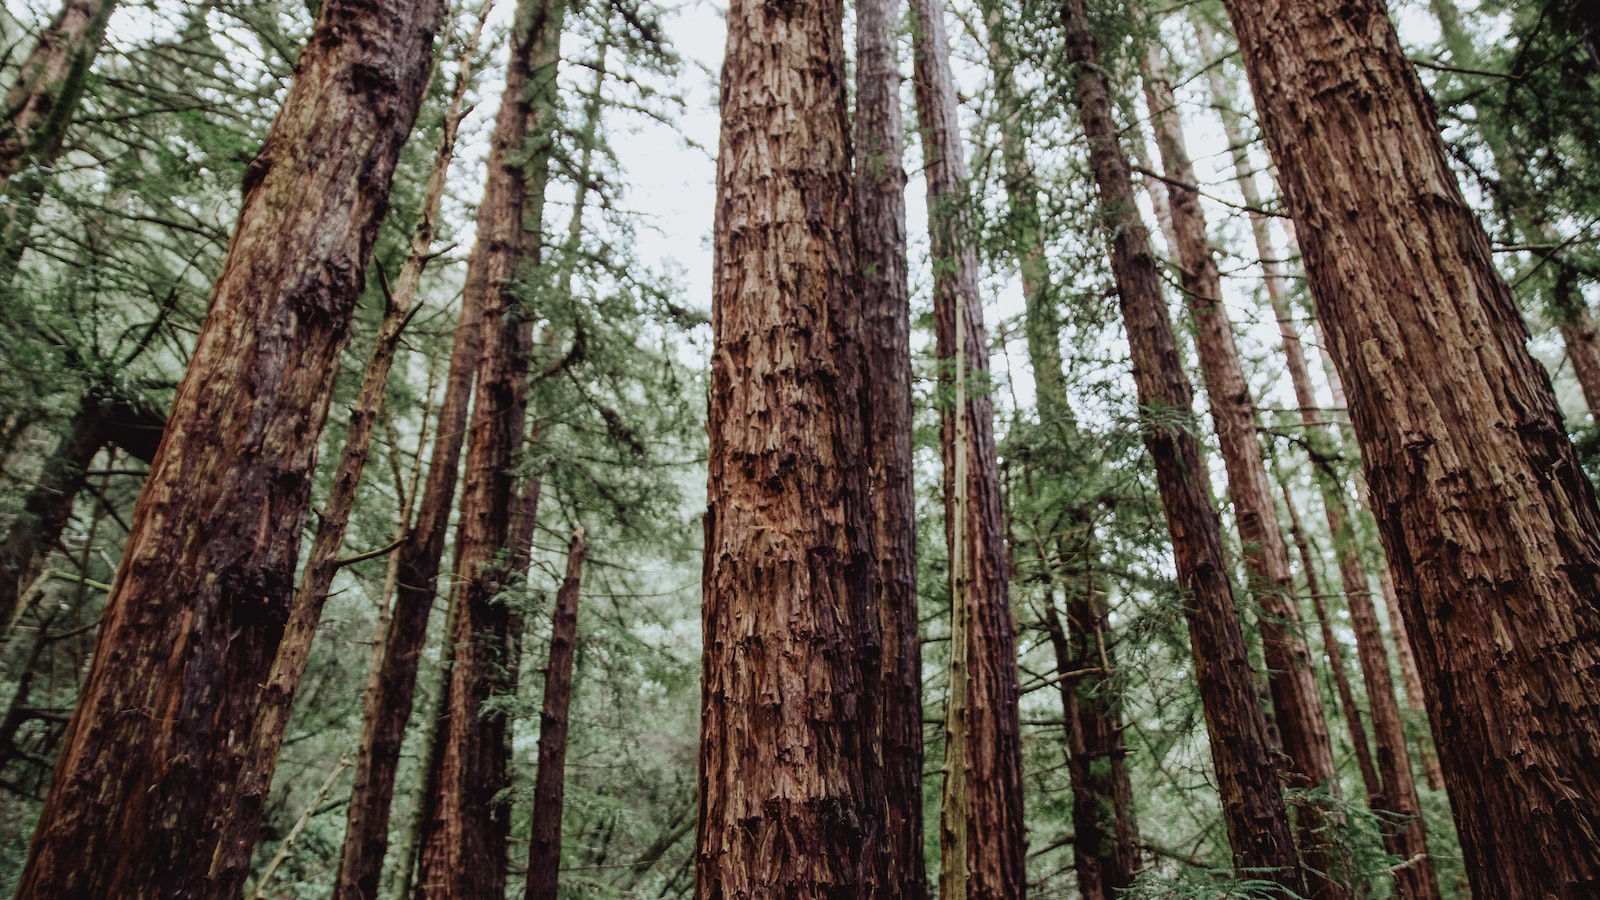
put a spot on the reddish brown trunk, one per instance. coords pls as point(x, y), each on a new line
point(880, 210)
point(1583, 348)
point(791, 802)
point(464, 829)
point(1258, 823)
point(1487, 518)
point(391, 690)
point(544, 847)
point(42, 100)
point(1297, 704)
point(1335, 651)
point(198, 605)
point(988, 756)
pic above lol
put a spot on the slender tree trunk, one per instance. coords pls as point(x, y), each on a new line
point(792, 669)
point(1485, 514)
point(544, 846)
point(197, 609)
point(880, 209)
point(1296, 700)
point(48, 506)
point(1258, 823)
point(41, 102)
point(987, 754)
point(467, 823)
point(1335, 651)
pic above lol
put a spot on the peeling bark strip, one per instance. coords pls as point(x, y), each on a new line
point(198, 605)
point(1296, 701)
point(1488, 521)
point(1252, 803)
point(467, 821)
point(791, 799)
point(544, 845)
point(880, 182)
point(983, 733)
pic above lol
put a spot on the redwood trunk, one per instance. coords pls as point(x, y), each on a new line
point(1488, 521)
point(197, 608)
point(1296, 701)
point(1258, 823)
point(987, 757)
point(791, 802)
point(880, 209)
point(467, 822)
point(544, 847)
point(40, 104)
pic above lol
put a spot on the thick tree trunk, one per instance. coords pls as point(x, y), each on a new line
point(41, 102)
point(1296, 701)
point(194, 618)
point(1485, 514)
point(987, 754)
point(1335, 652)
point(544, 846)
point(791, 671)
point(464, 831)
point(1258, 823)
point(880, 209)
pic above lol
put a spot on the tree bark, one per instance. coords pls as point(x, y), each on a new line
point(880, 210)
point(198, 604)
point(544, 846)
point(791, 799)
point(41, 102)
point(467, 822)
point(986, 811)
point(1252, 802)
point(1296, 701)
point(48, 506)
point(1487, 518)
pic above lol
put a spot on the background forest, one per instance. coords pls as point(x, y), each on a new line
point(122, 191)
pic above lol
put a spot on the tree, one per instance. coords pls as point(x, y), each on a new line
point(197, 608)
point(1258, 823)
point(788, 747)
point(544, 848)
point(880, 211)
point(1482, 507)
point(982, 835)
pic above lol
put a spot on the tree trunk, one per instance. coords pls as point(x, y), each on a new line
point(1335, 651)
point(467, 822)
point(987, 752)
point(391, 689)
point(791, 670)
point(48, 506)
point(41, 102)
point(880, 210)
point(1485, 514)
point(198, 605)
point(1258, 823)
point(544, 846)
point(1296, 700)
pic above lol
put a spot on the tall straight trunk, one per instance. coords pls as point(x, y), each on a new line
point(544, 846)
point(1296, 701)
point(197, 608)
point(1486, 516)
point(1397, 795)
point(1335, 652)
point(466, 824)
point(986, 811)
point(790, 712)
point(1252, 802)
point(392, 687)
point(41, 102)
point(239, 832)
point(880, 210)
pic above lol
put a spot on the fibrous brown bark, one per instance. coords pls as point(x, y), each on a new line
point(1296, 701)
point(1252, 802)
point(467, 821)
point(198, 604)
point(544, 846)
point(791, 802)
point(983, 815)
point(880, 210)
point(40, 104)
point(387, 705)
point(1488, 521)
